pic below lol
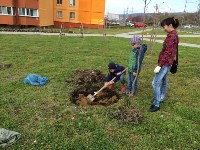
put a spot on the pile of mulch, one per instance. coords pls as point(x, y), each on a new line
point(127, 114)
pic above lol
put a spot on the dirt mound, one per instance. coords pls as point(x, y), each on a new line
point(127, 115)
point(84, 77)
point(5, 66)
point(105, 98)
point(88, 82)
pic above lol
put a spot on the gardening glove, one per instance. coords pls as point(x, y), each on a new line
point(157, 69)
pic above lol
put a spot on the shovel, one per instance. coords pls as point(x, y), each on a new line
point(91, 97)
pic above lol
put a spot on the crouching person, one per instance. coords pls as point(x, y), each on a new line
point(115, 71)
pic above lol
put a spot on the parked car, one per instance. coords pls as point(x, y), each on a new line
point(140, 24)
point(130, 24)
point(188, 26)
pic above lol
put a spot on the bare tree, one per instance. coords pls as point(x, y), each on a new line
point(197, 18)
point(146, 3)
point(155, 28)
point(183, 17)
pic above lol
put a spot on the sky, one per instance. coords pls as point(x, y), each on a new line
point(137, 6)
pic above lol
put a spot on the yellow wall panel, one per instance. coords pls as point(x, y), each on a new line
point(46, 13)
point(97, 18)
point(85, 17)
point(85, 5)
point(98, 6)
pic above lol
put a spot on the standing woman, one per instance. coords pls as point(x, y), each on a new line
point(165, 62)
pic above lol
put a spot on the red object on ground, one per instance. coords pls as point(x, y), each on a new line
point(122, 88)
point(140, 24)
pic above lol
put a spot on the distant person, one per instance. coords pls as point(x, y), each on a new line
point(137, 53)
point(115, 70)
point(165, 62)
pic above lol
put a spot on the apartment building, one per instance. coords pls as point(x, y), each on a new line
point(73, 13)
point(26, 12)
point(89, 13)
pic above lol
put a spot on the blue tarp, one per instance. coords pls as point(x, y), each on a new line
point(35, 79)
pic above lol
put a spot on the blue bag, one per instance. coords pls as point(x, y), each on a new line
point(35, 79)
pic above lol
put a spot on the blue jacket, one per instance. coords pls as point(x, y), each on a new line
point(137, 51)
point(116, 73)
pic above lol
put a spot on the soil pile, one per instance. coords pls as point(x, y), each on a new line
point(88, 82)
point(5, 66)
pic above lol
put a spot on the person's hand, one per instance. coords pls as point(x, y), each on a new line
point(110, 82)
point(134, 74)
point(157, 69)
point(106, 83)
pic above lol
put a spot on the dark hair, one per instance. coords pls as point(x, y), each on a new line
point(174, 22)
point(112, 65)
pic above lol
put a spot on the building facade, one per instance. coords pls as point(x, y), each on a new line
point(26, 12)
point(70, 13)
point(89, 13)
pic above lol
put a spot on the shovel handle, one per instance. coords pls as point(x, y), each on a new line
point(107, 85)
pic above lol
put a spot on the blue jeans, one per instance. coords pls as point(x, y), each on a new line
point(122, 80)
point(131, 78)
point(160, 90)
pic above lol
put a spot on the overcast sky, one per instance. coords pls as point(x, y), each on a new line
point(136, 6)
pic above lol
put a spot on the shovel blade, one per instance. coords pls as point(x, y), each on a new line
point(90, 97)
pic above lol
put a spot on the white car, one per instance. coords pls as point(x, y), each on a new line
point(188, 26)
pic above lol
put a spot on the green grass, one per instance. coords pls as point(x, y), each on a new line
point(190, 40)
point(111, 30)
point(108, 30)
point(48, 120)
point(160, 31)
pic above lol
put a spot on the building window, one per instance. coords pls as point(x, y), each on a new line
point(59, 14)
point(59, 1)
point(72, 2)
point(14, 11)
point(33, 12)
point(4, 10)
point(9, 10)
point(72, 15)
point(22, 11)
point(28, 12)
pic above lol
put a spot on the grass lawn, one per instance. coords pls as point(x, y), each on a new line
point(108, 30)
point(194, 40)
point(111, 30)
point(160, 31)
point(190, 40)
point(48, 120)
